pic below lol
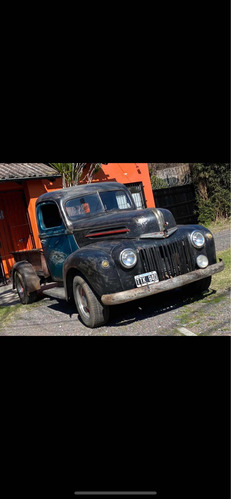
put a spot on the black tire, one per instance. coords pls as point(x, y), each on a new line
point(90, 309)
point(199, 287)
point(21, 288)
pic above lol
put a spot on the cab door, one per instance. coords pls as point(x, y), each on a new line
point(57, 244)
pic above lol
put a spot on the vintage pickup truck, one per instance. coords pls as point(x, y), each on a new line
point(101, 250)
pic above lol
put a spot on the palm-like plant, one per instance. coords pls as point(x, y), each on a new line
point(72, 173)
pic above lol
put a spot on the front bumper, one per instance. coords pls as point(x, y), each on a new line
point(162, 286)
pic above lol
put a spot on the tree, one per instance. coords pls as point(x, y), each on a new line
point(212, 185)
point(200, 173)
point(73, 173)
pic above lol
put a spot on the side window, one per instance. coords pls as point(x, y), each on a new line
point(114, 200)
point(50, 215)
point(137, 191)
point(122, 201)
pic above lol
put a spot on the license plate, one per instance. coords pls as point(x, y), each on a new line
point(146, 279)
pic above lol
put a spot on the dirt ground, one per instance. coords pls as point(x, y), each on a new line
point(166, 314)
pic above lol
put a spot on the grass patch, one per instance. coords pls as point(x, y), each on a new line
point(222, 281)
point(220, 225)
point(3, 312)
point(7, 311)
point(203, 310)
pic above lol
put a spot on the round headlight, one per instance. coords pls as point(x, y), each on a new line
point(128, 258)
point(202, 261)
point(198, 239)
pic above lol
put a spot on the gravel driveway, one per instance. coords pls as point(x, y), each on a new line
point(166, 314)
point(223, 240)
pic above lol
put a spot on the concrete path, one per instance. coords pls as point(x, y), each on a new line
point(8, 297)
point(223, 240)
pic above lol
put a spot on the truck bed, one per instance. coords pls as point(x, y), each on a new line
point(35, 258)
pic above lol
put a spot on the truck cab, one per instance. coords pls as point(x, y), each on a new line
point(102, 251)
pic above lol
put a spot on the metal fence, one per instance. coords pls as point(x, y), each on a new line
point(180, 200)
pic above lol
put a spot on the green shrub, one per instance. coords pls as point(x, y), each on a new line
point(158, 183)
point(206, 212)
point(212, 185)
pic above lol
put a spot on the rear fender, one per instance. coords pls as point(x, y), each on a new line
point(28, 274)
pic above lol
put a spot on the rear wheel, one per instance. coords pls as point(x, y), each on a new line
point(199, 286)
point(21, 288)
point(90, 309)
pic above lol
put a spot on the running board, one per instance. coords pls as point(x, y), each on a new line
point(54, 291)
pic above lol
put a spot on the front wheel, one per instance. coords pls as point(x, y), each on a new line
point(90, 309)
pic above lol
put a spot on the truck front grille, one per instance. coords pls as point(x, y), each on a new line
point(169, 259)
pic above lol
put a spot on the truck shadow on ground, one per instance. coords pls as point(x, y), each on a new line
point(151, 307)
point(139, 310)
point(8, 297)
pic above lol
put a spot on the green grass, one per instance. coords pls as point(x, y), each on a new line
point(203, 311)
point(222, 281)
point(220, 225)
point(6, 312)
point(3, 312)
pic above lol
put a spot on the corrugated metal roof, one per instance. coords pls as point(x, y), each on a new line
point(20, 171)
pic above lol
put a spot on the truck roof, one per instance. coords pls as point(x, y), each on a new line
point(67, 193)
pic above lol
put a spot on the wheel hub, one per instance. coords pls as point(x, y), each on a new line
point(82, 301)
point(20, 288)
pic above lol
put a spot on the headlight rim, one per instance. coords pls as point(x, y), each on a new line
point(193, 243)
point(121, 261)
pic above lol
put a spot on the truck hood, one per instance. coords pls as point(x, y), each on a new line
point(130, 224)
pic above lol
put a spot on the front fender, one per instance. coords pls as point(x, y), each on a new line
point(90, 263)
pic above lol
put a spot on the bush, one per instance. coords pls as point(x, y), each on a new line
point(212, 185)
point(158, 183)
point(206, 212)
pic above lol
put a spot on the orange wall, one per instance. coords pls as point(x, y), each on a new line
point(127, 173)
point(15, 234)
point(33, 189)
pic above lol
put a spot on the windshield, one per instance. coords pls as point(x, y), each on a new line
point(98, 203)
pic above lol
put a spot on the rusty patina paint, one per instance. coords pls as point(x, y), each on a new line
point(29, 276)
